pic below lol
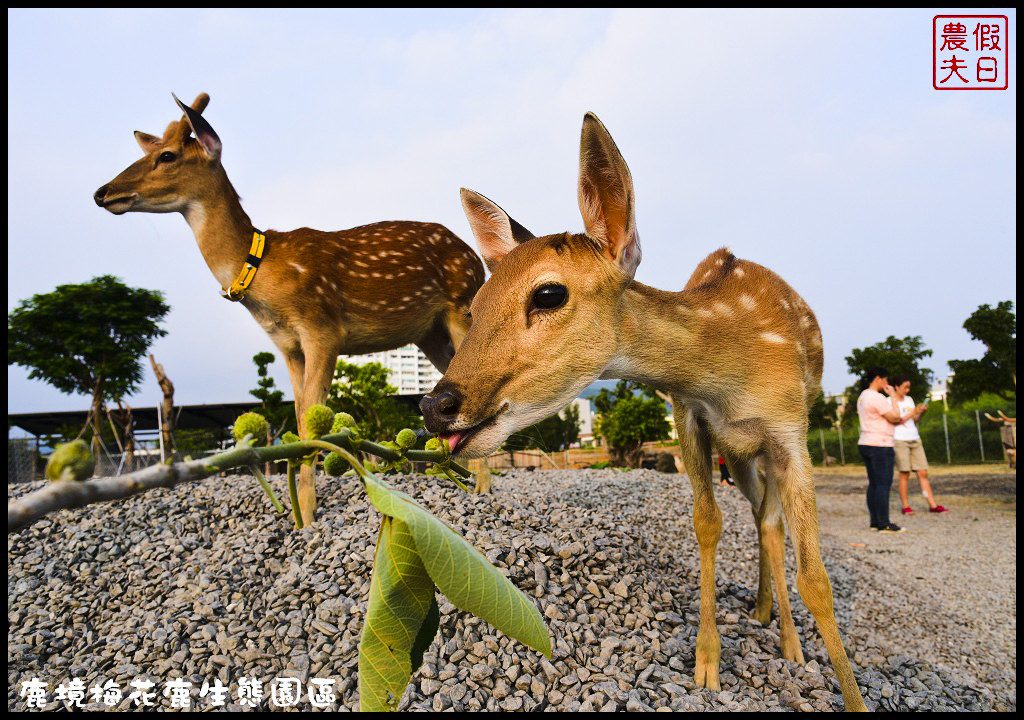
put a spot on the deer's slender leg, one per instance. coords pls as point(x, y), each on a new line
point(695, 442)
point(790, 466)
point(319, 371)
point(771, 535)
point(752, 485)
point(296, 364)
point(437, 346)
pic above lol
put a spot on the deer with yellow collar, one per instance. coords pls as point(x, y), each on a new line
point(561, 311)
point(317, 294)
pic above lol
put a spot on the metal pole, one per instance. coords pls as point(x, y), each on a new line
point(842, 453)
point(945, 431)
point(981, 445)
point(824, 453)
point(160, 427)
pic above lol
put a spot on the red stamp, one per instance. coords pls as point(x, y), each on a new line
point(970, 52)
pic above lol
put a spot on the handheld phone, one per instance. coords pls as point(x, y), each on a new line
point(926, 400)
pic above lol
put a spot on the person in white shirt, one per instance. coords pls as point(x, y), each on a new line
point(907, 445)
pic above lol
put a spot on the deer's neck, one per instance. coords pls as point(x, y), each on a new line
point(656, 340)
point(222, 229)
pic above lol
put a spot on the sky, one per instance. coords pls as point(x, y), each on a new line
point(811, 142)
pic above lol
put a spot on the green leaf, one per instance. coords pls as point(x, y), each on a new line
point(462, 573)
point(401, 596)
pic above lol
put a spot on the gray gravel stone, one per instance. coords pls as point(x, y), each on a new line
point(205, 581)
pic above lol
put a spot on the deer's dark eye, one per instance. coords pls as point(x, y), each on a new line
point(549, 297)
point(168, 156)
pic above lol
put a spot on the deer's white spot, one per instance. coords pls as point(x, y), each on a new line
point(704, 312)
point(719, 262)
point(784, 303)
point(722, 309)
point(297, 267)
point(772, 337)
point(747, 302)
point(739, 272)
point(805, 321)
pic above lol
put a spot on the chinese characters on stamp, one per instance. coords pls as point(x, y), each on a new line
point(970, 52)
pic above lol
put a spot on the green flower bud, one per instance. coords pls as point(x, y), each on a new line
point(319, 419)
point(251, 424)
point(289, 437)
point(72, 460)
point(434, 445)
point(341, 421)
point(406, 439)
point(335, 464)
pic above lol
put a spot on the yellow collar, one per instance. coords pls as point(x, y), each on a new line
point(241, 284)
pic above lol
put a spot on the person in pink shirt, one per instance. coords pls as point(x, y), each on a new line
point(878, 416)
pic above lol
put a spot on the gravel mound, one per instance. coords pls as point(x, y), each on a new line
point(205, 582)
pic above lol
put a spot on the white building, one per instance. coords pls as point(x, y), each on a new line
point(411, 372)
point(586, 411)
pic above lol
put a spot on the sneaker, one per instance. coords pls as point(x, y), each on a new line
point(908, 511)
point(938, 509)
point(891, 527)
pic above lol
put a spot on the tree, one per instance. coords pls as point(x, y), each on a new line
point(87, 339)
point(824, 413)
point(279, 414)
point(996, 371)
point(363, 392)
point(628, 420)
point(898, 356)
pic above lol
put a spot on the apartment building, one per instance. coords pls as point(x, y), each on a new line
point(411, 372)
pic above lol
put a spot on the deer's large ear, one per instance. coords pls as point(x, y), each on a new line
point(203, 132)
point(147, 142)
point(606, 196)
point(496, 233)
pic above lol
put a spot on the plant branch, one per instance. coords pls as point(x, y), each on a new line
point(23, 511)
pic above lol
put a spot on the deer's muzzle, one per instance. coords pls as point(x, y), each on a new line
point(439, 410)
point(118, 204)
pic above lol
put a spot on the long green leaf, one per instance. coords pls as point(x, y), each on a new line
point(401, 597)
point(462, 573)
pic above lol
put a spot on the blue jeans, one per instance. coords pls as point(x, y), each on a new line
point(879, 462)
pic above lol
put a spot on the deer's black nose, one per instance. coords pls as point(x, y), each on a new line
point(100, 194)
point(439, 409)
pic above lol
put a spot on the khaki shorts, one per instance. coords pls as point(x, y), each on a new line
point(909, 455)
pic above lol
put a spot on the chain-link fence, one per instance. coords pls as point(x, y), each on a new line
point(22, 460)
point(953, 437)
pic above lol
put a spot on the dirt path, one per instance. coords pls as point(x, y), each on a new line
point(946, 586)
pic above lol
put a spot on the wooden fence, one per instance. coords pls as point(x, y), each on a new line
point(573, 458)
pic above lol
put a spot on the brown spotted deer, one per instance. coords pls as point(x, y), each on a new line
point(738, 352)
point(317, 294)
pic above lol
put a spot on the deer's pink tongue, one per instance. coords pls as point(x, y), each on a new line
point(453, 440)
